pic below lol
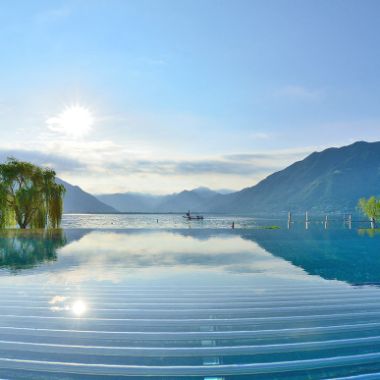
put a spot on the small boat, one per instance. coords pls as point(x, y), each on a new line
point(188, 216)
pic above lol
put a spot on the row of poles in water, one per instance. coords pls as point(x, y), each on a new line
point(347, 220)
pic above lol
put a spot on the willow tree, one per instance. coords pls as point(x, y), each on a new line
point(29, 196)
point(371, 208)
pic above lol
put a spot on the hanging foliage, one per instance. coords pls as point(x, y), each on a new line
point(371, 208)
point(29, 196)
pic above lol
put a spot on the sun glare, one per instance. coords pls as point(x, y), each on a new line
point(73, 121)
point(78, 308)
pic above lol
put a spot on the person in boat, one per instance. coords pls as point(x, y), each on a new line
point(191, 217)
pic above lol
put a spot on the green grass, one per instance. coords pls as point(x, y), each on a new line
point(268, 228)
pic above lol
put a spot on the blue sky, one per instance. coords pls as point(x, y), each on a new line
point(185, 93)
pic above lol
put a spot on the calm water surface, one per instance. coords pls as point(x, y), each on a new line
point(123, 221)
point(189, 303)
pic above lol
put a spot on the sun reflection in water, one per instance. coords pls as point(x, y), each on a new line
point(78, 308)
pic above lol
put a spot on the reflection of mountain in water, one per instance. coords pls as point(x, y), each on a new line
point(343, 255)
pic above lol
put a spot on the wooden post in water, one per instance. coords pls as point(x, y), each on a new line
point(289, 219)
point(372, 222)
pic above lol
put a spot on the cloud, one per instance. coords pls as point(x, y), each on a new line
point(145, 162)
point(103, 167)
point(92, 255)
point(227, 165)
point(218, 166)
point(232, 164)
point(55, 161)
point(296, 92)
point(286, 155)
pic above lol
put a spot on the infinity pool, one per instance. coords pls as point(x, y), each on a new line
point(192, 303)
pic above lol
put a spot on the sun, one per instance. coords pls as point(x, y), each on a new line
point(74, 121)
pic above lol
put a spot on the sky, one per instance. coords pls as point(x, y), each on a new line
point(163, 95)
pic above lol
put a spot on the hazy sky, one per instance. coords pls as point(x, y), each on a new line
point(158, 96)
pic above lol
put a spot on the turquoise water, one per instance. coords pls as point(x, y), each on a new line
point(190, 303)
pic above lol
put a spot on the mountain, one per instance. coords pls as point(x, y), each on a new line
point(331, 180)
point(195, 200)
point(78, 201)
point(131, 202)
point(327, 181)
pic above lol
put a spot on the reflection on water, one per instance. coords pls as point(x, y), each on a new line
point(79, 307)
point(189, 304)
point(81, 255)
point(20, 249)
point(372, 232)
point(154, 253)
point(338, 254)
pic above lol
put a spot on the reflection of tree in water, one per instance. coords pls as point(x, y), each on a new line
point(22, 249)
point(371, 232)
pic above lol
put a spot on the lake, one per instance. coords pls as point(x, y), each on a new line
point(175, 302)
point(123, 221)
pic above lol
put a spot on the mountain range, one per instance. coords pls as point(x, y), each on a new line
point(326, 181)
point(78, 201)
point(195, 200)
point(331, 180)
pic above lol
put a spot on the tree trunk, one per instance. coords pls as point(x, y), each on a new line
point(23, 225)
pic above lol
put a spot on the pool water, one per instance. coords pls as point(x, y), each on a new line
point(190, 304)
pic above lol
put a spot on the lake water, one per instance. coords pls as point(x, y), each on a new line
point(123, 221)
point(189, 303)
